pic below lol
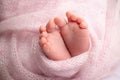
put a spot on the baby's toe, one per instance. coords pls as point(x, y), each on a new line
point(79, 20)
point(71, 17)
point(83, 25)
point(42, 28)
point(46, 48)
point(43, 34)
point(43, 40)
point(60, 22)
point(51, 26)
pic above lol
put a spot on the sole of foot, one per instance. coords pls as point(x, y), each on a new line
point(52, 43)
point(74, 32)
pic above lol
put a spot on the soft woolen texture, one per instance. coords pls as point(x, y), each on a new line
point(21, 57)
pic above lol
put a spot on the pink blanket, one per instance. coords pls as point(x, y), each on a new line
point(21, 57)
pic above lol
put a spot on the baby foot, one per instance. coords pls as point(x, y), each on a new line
point(75, 33)
point(52, 43)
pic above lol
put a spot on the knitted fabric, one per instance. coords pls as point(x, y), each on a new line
point(21, 57)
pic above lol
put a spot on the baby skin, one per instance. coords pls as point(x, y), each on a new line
point(61, 39)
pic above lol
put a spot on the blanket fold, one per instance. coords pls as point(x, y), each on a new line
point(21, 57)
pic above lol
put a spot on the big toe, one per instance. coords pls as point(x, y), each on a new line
point(60, 22)
point(51, 26)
